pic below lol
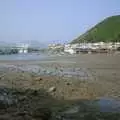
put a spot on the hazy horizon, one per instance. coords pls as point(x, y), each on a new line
point(49, 21)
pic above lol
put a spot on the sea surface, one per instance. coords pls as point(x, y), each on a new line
point(28, 56)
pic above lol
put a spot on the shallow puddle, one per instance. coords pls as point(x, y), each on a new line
point(102, 109)
point(109, 105)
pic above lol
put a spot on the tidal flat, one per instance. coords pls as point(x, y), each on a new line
point(70, 87)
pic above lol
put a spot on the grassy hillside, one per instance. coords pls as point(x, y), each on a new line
point(107, 31)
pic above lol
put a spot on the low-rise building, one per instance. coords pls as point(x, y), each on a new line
point(69, 50)
point(85, 47)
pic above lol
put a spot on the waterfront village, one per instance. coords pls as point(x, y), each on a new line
point(100, 47)
point(17, 49)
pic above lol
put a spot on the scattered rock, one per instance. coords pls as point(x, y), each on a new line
point(7, 98)
point(52, 89)
point(34, 92)
point(4, 117)
point(68, 83)
point(73, 89)
point(21, 113)
point(27, 117)
point(61, 70)
point(38, 79)
point(72, 110)
point(2, 105)
point(44, 71)
point(2, 76)
point(22, 98)
point(42, 113)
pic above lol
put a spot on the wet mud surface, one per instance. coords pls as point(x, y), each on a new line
point(86, 87)
point(19, 104)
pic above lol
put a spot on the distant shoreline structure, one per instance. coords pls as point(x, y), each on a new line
point(20, 49)
point(98, 47)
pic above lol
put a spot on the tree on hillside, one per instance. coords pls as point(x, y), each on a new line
point(107, 30)
point(118, 37)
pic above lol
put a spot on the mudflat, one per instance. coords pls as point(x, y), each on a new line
point(67, 87)
point(84, 76)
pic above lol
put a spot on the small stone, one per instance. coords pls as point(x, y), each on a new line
point(2, 105)
point(42, 113)
point(23, 98)
point(27, 117)
point(35, 92)
point(4, 117)
point(73, 90)
point(67, 83)
point(38, 79)
point(21, 113)
point(22, 71)
point(52, 89)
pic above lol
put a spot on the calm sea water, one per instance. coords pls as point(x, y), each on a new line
point(29, 56)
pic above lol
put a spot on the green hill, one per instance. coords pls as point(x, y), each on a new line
point(107, 31)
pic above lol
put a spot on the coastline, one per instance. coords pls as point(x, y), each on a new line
point(90, 71)
point(81, 86)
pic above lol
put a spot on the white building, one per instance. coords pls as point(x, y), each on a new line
point(69, 50)
point(23, 48)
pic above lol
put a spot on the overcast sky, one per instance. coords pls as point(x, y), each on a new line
point(51, 20)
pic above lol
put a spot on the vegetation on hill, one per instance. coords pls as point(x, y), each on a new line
point(107, 31)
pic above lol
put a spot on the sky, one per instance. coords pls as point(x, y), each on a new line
point(52, 21)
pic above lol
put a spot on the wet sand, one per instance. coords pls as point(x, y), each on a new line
point(62, 87)
point(75, 77)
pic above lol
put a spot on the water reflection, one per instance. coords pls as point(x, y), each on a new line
point(109, 105)
point(28, 56)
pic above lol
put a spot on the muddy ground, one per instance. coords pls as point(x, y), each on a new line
point(64, 78)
